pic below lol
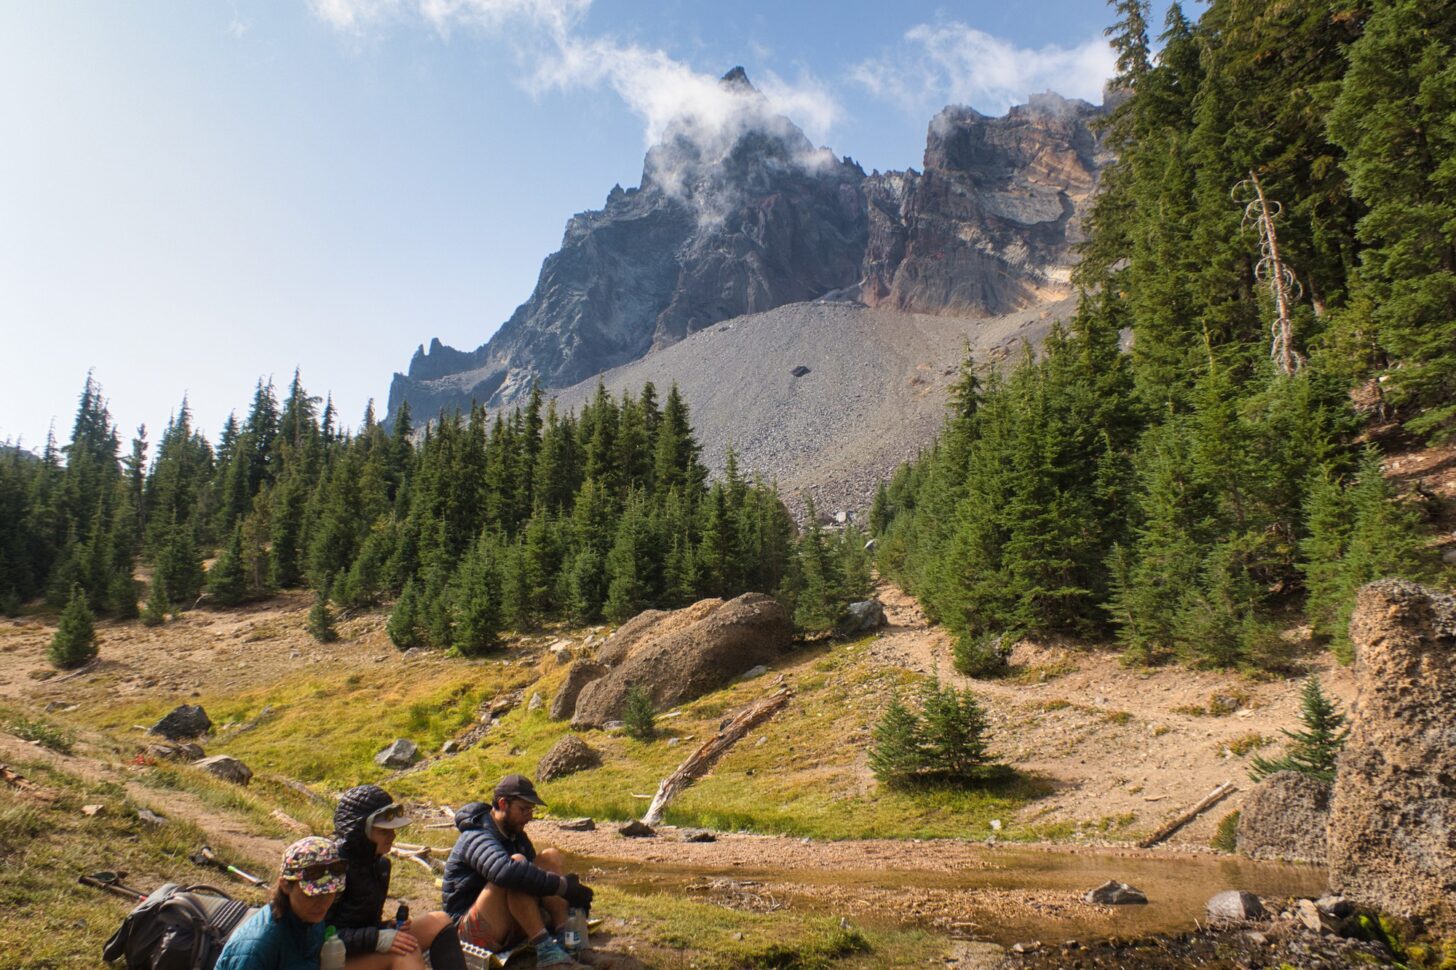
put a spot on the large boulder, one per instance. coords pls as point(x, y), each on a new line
point(652, 625)
point(1393, 812)
point(677, 659)
point(225, 767)
point(183, 723)
point(1285, 818)
point(401, 753)
point(578, 675)
point(567, 756)
point(865, 616)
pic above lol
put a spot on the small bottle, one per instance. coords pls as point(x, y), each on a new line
point(574, 933)
point(331, 956)
point(401, 916)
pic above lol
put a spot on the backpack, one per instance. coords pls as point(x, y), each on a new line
point(176, 928)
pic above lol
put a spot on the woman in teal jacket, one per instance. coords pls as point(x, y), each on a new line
point(289, 932)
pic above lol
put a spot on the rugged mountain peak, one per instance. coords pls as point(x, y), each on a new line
point(737, 78)
point(991, 224)
point(738, 212)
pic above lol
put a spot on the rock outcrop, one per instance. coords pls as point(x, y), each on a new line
point(682, 655)
point(1285, 818)
point(990, 225)
point(578, 675)
point(1393, 812)
point(747, 216)
point(225, 767)
point(183, 723)
point(566, 757)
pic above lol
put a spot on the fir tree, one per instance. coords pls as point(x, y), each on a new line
point(1313, 751)
point(320, 624)
point(896, 754)
point(476, 599)
point(226, 582)
point(157, 606)
point(74, 643)
point(955, 734)
point(404, 625)
point(638, 716)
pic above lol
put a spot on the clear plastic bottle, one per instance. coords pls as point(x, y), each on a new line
point(331, 956)
point(574, 934)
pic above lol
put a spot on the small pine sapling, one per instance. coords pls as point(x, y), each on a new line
point(638, 717)
point(74, 644)
point(321, 620)
point(1314, 750)
point(155, 612)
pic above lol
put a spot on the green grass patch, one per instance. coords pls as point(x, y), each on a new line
point(42, 732)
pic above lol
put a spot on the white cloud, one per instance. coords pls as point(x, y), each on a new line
point(951, 63)
point(672, 99)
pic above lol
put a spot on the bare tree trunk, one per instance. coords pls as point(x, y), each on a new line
point(1211, 799)
point(712, 749)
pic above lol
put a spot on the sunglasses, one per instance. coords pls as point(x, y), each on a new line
point(388, 813)
point(316, 872)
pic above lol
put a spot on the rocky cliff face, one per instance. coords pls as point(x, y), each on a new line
point(743, 215)
point(990, 225)
point(1392, 832)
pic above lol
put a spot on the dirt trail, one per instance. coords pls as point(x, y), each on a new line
point(1115, 741)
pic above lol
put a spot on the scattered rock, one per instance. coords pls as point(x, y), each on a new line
point(753, 672)
point(1114, 893)
point(450, 747)
point(1337, 906)
point(150, 817)
point(1313, 918)
point(1285, 818)
point(698, 656)
point(536, 702)
point(59, 707)
point(415, 653)
point(1390, 835)
point(401, 754)
point(226, 767)
point(578, 675)
point(864, 616)
point(698, 835)
point(183, 723)
point(578, 825)
point(504, 704)
point(1234, 906)
point(92, 810)
point(799, 371)
point(637, 829)
point(174, 751)
point(567, 756)
point(289, 822)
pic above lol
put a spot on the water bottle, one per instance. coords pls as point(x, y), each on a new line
point(331, 956)
point(401, 916)
point(574, 933)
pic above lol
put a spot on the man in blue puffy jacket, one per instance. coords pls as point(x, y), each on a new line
point(496, 884)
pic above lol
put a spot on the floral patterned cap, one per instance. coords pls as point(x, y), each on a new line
point(315, 864)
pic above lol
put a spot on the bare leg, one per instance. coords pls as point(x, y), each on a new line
point(553, 861)
point(425, 928)
point(386, 961)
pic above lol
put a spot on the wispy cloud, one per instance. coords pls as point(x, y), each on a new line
point(548, 38)
point(951, 63)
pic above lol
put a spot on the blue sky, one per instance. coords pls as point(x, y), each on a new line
point(194, 195)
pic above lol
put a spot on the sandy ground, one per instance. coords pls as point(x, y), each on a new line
point(1115, 741)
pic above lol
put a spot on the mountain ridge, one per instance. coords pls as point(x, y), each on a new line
point(741, 214)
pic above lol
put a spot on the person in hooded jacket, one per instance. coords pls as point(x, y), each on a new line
point(499, 888)
point(365, 822)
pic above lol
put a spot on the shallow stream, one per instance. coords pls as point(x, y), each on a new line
point(1004, 894)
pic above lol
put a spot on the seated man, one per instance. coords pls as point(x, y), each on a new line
point(498, 887)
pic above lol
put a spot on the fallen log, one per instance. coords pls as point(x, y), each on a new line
point(729, 733)
point(1218, 794)
point(421, 858)
point(20, 783)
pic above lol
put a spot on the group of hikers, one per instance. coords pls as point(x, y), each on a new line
point(498, 891)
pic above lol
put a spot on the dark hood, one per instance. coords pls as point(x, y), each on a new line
point(355, 807)
point(472, 815)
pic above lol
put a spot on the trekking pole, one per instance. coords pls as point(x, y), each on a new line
point(108, 881)
point(206, 857)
